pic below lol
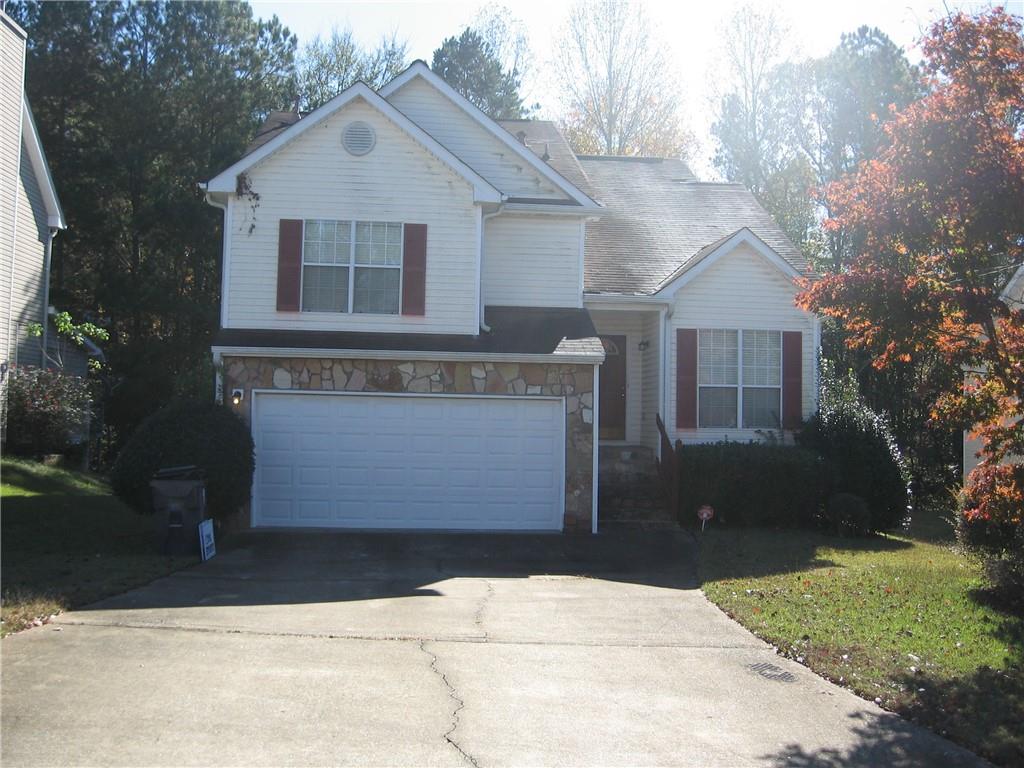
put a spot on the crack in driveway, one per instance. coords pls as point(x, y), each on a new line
point(478, 615)
point(459, 706)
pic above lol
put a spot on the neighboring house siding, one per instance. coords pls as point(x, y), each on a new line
point(12, 58)
point(532, 261)
point(470, 141)
point(30, 238)
point(740, 291)
point(314, 178)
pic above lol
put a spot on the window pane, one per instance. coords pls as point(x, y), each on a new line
point(718, 356)
point(324, 289)
point(761, 408)
point(376, 291)
point(325, 242)
point(762, 358)
point(717, 407)
point(379, 243)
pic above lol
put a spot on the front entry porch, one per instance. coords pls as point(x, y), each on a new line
point(630, 390)
point(631, 376)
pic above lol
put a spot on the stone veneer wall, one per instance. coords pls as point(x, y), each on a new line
point(574, 382)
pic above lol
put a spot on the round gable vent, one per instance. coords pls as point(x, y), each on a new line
point(358, 138)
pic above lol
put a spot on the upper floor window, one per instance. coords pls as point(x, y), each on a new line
point(739, 378)
point(351, 266)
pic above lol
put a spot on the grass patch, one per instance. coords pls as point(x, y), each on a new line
point(896, 619)
point(66, 542)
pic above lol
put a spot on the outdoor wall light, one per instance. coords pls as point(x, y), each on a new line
point(643, 345)
point(237, 396)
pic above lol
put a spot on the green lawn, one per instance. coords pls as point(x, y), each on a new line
point(66, 542)
point(902, 620)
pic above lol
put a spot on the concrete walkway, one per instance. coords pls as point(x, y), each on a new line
point(330, 649)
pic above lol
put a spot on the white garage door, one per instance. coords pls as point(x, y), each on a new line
point(430, 462)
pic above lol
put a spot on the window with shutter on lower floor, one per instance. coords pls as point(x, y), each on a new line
point(739, 379)
point(352, 266)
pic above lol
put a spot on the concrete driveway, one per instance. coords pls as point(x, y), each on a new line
point(332, 649)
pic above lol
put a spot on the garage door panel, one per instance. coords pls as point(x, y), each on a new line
point(378, 461)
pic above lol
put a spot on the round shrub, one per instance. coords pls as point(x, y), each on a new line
point(860, 449)
point(847, 514)
point(201, 433)
point(48, 411)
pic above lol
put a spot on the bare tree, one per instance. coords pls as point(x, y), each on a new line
point(329, 66)
point(749, 127)
point(616, 83)
point(508, 37)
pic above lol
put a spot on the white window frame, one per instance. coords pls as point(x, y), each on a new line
point(739, 385)
point(352, 266)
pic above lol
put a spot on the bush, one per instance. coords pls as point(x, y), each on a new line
point(1000, 545)
point(48, 411)
point(751, 483)
point(201, 433)
point(847, 514)
point(860, 450)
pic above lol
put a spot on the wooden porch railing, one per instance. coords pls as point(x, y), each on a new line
point(668, 470)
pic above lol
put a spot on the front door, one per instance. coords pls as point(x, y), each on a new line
point(612, 380)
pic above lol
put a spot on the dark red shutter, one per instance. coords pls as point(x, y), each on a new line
point(792, 379)
point(289, 265)
point(414, 270)
point(686, 378)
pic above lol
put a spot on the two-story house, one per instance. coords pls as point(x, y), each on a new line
point(432, 320)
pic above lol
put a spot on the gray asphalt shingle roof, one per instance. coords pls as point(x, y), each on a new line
point(658, 217)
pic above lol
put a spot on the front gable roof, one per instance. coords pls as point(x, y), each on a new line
point(712, 252)
point(419, 69)
point(226, 180)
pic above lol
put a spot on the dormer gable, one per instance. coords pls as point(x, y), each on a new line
point(478, 140)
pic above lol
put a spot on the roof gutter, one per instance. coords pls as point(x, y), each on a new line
point(220, 352)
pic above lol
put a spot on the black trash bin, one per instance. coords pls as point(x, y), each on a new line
point(179, 505)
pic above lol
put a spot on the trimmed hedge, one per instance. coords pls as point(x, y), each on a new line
point(752, 484)
point(201, 433)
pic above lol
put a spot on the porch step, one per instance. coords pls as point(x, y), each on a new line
point(629, 493)
point(633, 504)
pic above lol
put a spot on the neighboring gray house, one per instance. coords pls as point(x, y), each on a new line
point(30, 213)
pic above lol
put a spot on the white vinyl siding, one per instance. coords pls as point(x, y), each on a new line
point(470, 141)
point(740, 291)
point(315, 178)
point(29, 264)
point(532, 261)
point(12, 57)
point(650, 379)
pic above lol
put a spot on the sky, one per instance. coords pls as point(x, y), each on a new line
point(691, 30)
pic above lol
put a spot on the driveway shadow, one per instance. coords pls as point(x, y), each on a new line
point(278, 568)
point(887, 741)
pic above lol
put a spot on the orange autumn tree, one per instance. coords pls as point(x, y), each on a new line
point(939, 216)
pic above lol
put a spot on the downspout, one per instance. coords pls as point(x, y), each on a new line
point(47, 252)
point(666, 341)
point(218, 378)
point(483, 221)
